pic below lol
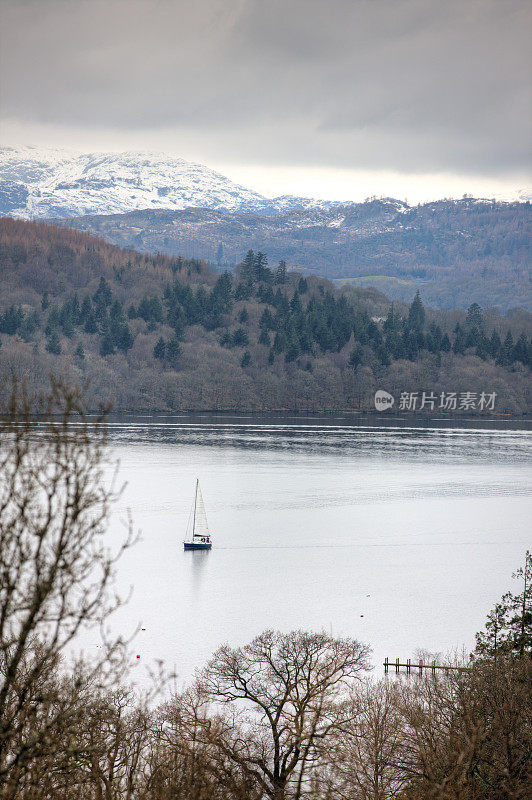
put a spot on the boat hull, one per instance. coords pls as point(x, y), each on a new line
point(197, 546)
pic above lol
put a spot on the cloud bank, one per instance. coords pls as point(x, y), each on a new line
point(409, 85)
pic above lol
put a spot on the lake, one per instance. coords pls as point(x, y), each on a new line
point(400, 533)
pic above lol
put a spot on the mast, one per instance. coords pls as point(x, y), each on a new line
point(195, 501)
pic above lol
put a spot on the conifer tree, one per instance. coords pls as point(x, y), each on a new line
point(509, 626)
point(173, 352)
point(280, 273)
point(79, 352)
point(53, 345)
point(416, 314)
point(247, 268)
point(264, 337)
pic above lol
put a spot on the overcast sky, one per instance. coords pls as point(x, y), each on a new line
point(332, 98)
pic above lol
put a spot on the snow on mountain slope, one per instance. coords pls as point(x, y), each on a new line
point(43, 183)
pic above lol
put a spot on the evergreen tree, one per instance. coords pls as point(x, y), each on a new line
point(302, 286)
point(410, 345)
point(271, 356)
point(383, 354)
point(102, 298)
point(75, 310)
point(91, 325)
point(45, 302)
point(416, 314)
point(53, 322)
point(495, 345)
point(107, 347)
point(243, 291)
point(434, 338)
point(261, 271)
point(266, 320)
point(151, 311)
point(121, 335)
point(391, 321)
point(247, 268)
point(474, 317)
point(240, 338)
point(246, 359)
point(264, 337)
point(85, 310)
point(173, 352)
point(280, 273)
point(30, 324)
point(66, 320)
point(509, 626)
point(295, 304)
point(506, 352)
point(520, 352)
point(243, 316)
point(220, 254)
point(355, 357)
point(53, 345)
point(265, 293)
point(279, 342)
point(293, 350)
point(482, 349)
point(79, 352)
point(445, 344)
point(459, 344)
point(222, 293)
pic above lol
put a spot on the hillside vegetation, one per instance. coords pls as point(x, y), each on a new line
point(455, 252)
point(160, 332)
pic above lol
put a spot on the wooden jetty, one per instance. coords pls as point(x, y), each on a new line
point(431, 666)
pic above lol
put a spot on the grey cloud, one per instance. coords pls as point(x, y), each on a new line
point(405, 84)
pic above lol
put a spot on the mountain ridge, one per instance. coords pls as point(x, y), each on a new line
point(39, 183)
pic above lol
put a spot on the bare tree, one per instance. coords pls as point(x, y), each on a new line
point(361, 760)
point(187, 762)
point(55, 570)
point(281, 698)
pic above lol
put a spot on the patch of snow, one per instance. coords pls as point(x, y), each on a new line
point(38, 183)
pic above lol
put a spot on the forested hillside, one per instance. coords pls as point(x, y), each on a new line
point(455, 252)
point(160, 332)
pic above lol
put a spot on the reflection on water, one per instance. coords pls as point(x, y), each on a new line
point(408, 436)
point(401, 536)
point(198, 562)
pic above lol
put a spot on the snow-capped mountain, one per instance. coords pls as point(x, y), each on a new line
point(44, 183)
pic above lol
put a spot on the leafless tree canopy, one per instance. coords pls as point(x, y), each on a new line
point(55, 569)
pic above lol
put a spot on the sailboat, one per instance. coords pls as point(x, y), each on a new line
point(197, 536)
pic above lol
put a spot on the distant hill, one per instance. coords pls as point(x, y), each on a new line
point(454, 251)
point(43, 182)
point(167, 333)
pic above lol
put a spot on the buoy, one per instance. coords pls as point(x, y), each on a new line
point(138, 656)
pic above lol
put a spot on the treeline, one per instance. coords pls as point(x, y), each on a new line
point(263, 339)
point(287, 717)
point(290, 716)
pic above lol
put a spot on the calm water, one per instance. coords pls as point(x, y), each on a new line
point(401, 536)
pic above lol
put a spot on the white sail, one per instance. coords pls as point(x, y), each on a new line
point(201, 527)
